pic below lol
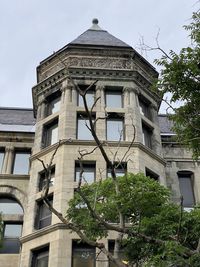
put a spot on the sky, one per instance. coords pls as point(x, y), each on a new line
point(31, 30)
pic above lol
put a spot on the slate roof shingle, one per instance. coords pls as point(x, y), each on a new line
point(16, 119)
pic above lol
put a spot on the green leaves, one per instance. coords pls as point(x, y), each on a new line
point(180, 76)
point(147, 210)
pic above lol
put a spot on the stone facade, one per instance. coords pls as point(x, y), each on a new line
point(121, 72)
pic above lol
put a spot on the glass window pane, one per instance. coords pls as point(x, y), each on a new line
point(87, 176)
point(12, 230)
point(146, 134)
point(10, 246)
point(51, 134)
point(115, 130)
point(21, 163)
point(83, 256)
point(83, 132)
point(114, 99)
point(42, 181)
point(89, 97)
point(45, 216)
point(10, 206)
point(54, 106)
point(41, 257)
point(1, 159)
point(186, 191)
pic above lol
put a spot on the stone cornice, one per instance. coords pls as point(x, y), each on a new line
point(74, 142)
point(42, 232)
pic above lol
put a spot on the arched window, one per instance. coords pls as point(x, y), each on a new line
point(12, 214)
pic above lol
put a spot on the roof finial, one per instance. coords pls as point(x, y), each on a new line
point(95, 21)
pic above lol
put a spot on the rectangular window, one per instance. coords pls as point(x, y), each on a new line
point(40, 257)
point(145, 108)
point(21, 162)
point(89, 172)
point(53, 103)
point(147, 136)
point(90, 98)
point(44, 215)
point(113, 98)
point(83, 255)
point(83, 133)
point(152, 174)
point(11, 234)
point(50, 135)
point(42, 181)
point(2, 153)
point(120, 169)
point(115, 128)
point(186, 189)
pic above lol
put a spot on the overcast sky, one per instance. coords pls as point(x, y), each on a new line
point(30, 30)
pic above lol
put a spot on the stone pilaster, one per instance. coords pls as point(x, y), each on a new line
point(8, 160)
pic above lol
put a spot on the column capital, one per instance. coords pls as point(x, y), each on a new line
point(100, 87)
point(9, 149)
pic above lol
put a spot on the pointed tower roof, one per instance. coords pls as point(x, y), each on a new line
point(98, 37)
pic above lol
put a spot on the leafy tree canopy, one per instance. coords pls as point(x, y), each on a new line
point(180, 76)
point(157, 232)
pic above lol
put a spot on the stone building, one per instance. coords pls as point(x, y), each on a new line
point(32, 236)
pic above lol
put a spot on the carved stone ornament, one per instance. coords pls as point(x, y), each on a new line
point(89, 62)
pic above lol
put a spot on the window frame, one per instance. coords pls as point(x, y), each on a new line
point(147, 138)
point(151, 174)
point(41, 178)
point(87, 165)
point(114, 91)
point(113, 117)
point(52, 99)
point(19, 151)
point(39, 253)
point(80, 117)
point(11, 243)
point(2, 152)
point(144, 106)
point(190, 176)
point(91, 92)
point(121, 169)
point(77, 245)
point(47, 132)
point(39, 219)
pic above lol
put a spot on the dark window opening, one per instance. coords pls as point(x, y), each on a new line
point(40, 257)
point(42, 180)
point(50, 134)
point(43, 215)
point(186, 188)
point(53, 103)
point(145, 108)
point(147, 135)
point(151, 174)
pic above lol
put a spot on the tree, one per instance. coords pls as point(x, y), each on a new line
point(180, 76)
point(156, 233)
